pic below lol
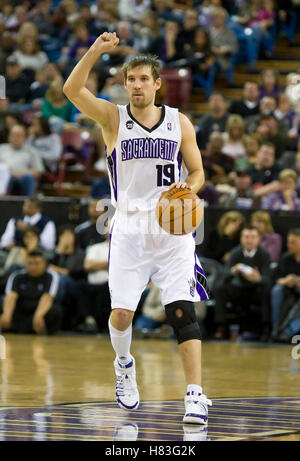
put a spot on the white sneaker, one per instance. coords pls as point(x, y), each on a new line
point(126, 432)
point(127, 393)
point(196, 411)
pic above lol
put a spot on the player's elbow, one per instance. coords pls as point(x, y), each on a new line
point(67, 90)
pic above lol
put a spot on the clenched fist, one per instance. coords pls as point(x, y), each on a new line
point(106, 42)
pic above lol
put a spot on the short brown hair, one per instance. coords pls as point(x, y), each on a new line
point(143, 60)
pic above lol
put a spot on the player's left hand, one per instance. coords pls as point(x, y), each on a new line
point(180, 185)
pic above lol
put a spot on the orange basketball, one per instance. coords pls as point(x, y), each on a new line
point(179, 211)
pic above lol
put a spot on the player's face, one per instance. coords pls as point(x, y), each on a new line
point(141, 86)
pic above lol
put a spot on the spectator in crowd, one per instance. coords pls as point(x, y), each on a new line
point(188, 28)
point(218, 244)
point(213, 121)
point(206, 10)
point(82, 38)
point(125, 48)
point(175, 54)
point(249, 104)
point(286, 290)
point(267, 106)
point(86, 232)
point(243, 197)
point(29, 305)
point(7, 47)
point(94, 299)
point(8, 119)
point(149, 38)
point(234, 136)
point(133, 10)
point(264, 171)
point(246, 284)
point(17, 83)
point(41, 17)
point(292, 89)
point(56, 104)
point(223, 40)
point(29, 56)
point(28, 29)
point(67, 261)
point(17, 257)
point(201, 58)
point(269, 84)
point(286, 114)
point(31, 216)
point(48, 144)
point(114, 89)
point(286, 198)
point(24, 163)
point(226, 236)
point(252, 145)
point(38, 89)
point(216, 164)
point(268, 238)
point(269, 129)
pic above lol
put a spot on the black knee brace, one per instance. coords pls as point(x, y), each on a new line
point(181, 316)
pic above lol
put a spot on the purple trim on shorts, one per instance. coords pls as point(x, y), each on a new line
point(200, 290)
point(112, 171)
point(179, 163)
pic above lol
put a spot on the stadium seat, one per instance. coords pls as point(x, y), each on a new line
point(179, 85)
point(77, 149)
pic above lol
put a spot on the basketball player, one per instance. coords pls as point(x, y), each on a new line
point(145, 145)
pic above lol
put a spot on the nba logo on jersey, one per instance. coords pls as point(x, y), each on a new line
point(169, 126)
point(129, 124)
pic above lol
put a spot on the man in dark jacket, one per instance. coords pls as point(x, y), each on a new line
point(29, 305)
point(246, 284)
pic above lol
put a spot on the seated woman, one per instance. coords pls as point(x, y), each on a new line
point(286, 114)
point(234, 141)
point(67, 260)
point(17, 256)
point(55, 104)
point(268, 238)
point(219, 243)
point(269, 84)
point(29, 55)
point(48, 144)
point(201, 58)
point(285, 199)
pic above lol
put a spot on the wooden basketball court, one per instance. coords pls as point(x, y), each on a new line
point(62, 388)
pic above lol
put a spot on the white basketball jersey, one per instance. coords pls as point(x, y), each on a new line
point(144, 162)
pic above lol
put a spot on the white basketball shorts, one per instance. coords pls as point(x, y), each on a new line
point(138, 256)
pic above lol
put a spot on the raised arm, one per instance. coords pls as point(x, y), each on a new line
point(103, 112)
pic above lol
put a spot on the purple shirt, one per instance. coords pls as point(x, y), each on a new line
point(272, 243)
point(276, 201)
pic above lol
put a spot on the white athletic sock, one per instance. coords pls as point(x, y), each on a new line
point(121, 342)
point(194, 389)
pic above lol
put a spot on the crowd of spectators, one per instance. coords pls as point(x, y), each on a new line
point(250, 149)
